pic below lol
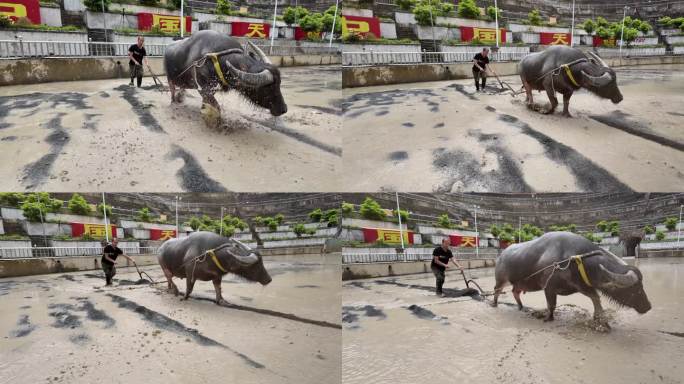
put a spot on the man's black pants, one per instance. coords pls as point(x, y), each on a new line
point(136, 72)
point(109, 271)
point(477, 75)
point(439, 276)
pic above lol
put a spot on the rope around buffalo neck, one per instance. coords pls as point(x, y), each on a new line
point(558, 266)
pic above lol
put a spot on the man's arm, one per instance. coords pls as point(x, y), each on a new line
point(130, 55)
point(106, 256)
point(457, 264)
point(129, 258)
point(438, 262)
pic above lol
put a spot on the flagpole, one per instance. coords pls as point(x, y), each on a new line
point(332, 32)
point(401, 232)
point(496, 21)
point(572, 28)
point(477, 237)
point(273, 28)
point(181, 19)
point(104, 210)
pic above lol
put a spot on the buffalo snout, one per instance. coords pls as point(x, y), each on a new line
point(617, 99)
point(277, 110)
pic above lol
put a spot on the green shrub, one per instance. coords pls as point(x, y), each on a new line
point(300, 229)
point(406, 5)
point(495, 230)
point(78, 205)
point(316, 215)
point(601, 22)
point(660, 235)
point(149, 3)
point(370, 209)
point(424, 8)
point(107, 208)
point(5, 21)
point(506, 237)
point(602, 226)
point(468, 9)
point(589, 26)
point(649, 230)
point(443, 221)
point(347, 208)
point(313, 22)
point(614, 228)
point(331, 217)
point(194, 223)
point(224, 7)
point(145, 215)
point(271, 223)
point(402, 213)
point(234, 222)
point(279, 218)
point(493, 13)
point(96, 5)
point(328, 17)
point(671, 223)
point(11, 199)
point(534, 17)
point(593, 238)
point(258, 221)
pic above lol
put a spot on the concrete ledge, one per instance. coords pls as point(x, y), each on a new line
point(367, 271)
point(413, 73)
point(51, 69)
point(45, 265)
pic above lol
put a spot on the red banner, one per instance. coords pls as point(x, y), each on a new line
point(463, 241)
point(389, 236)
point(360, 25)
point(554, 38)
point(301, 34)
point(599, 42)
point(162, 234)
point(484, 35)
point(15, 9)
point(253, 30)
point(166, 23)
point(94, 230)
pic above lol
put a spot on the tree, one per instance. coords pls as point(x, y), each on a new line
point(11, 199)
point(614, 228)
point(444, 221)
point(300, 229)
point(316, 215)
point(330, 216)
point(292, 15)
point(604, 32)
point(406, 5)
point(328, 17)
point(660, 235)
point(425, 8)
point(370, 209)
point(601, 22)
point(589, 26)
point(194, 223)
point(144, 215)
point(468, 9)
point(279, 218)
point(602, 226)
point(224, 7)
point(107, 208)
point(649, 230)
point(312, 22)
point(149, 3)
point(534, 17)
point(96, 5)
point(495, 230)
point(78, 205)
point(36, 205)
point(347, 208)
point(402, 213)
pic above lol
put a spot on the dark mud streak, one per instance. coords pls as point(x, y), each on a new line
point(408, 125)
point(678, 334)
point(619, 121)
point(162, 322)
point(192, 177)
point(330, 111)
point(381, 113)
point(675, 114)
point(307, 286)
point(279, 127)
point(36, 172)
point(448, 292)
point(438, 125)
point(282, 315)
point(8, 138)
point(141, 110)
point(423, 313)
point(63, 316)
point(366, 102)
point(589, 176)
point(461, 89)
point(398, 156)
point(24, 327)
point(80, 339)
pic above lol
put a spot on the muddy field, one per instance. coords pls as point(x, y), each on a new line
point(396, 330)
point(69, 328)
point(443, 136)
point(105, 135)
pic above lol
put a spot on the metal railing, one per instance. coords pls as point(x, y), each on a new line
point(631, 52)
point(411, 254)
point(370, 58)
point(15, 49)
point(25, 252)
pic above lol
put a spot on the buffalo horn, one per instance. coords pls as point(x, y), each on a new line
point(259, 52)
point(621, 280)
point(599, 81)
point(254, 80)
point(598, 59)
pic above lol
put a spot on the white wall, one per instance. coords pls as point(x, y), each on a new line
point(50, 16)
point(27, 35)
point(49, 229)
point(12, 214)
point(12, 253)
point(527, 37)
point(2, 228)
point(294, 242)
point(675, 39)
point(133, 8)
point(69, 218)
point(136, 224)
point(381, 48)
point(74, 5)
point(220, 27)
point(363, 223)
point(113, 20)
point(388, 30)
point(530, 28)
point(357, 12)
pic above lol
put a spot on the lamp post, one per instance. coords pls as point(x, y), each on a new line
point(432, 24)
point(679, 226)
point(104, 211)
point(181, 20)
point(401, 232)
point(273, 28)
point(477, 237)
point(496, 22)
point(221, 223)
point(104, 19)
point(177, 227)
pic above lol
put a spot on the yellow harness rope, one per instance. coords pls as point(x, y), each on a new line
point(216, 261)
point(582, 271)
point(572, 79)
point(219, 72)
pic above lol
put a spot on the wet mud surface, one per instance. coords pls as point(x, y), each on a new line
point(106, 135)
point(445, 136)
point(280, 333)
point(503, 344)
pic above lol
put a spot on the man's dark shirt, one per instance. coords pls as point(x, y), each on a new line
point(111, 251)
point(481, 61)
point(443, 256)
point(138, 53)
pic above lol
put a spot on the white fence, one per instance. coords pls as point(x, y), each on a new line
point(14, 49)
point(387, 255)
point(25, 252)
point(631, 52)
point(369, 58)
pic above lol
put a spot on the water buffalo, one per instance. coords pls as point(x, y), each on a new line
point(543, 71)
point(188, 258)
point(606, 273)
point(249, 72)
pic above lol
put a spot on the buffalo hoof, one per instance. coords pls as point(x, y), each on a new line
point(567, 114)
point(222, 302)
point(548, 318)
point(211, 115)
point(494, 305)
point(520, 307)
point(549, 111)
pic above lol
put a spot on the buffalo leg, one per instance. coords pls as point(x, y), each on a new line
point(211, 111)
point(172, 89)
point(552, 98)
point(189, 285)
point(550, 302)
point(596, 300)
point(497, 291)
point(217, 288)
point(516, 294)
point(169, 278)
point(566, 104)
point(528, 92)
